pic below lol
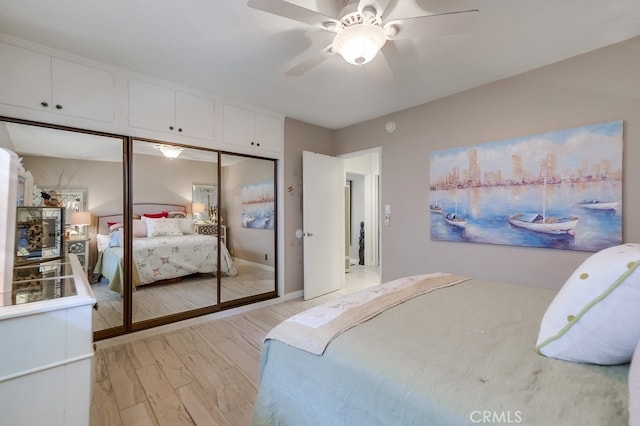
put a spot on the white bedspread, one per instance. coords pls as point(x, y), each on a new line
point(165, 257)
point(160, 258)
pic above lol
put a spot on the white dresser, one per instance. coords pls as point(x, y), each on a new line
point(47, 349)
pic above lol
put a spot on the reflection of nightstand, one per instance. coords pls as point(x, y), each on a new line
point(79, 247)
point(212, 229)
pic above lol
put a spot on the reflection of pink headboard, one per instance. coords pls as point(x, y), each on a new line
point(138, 209)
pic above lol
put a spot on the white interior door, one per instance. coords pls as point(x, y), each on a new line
point(323, 223)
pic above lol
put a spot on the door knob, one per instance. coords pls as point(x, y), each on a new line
point(300, 233)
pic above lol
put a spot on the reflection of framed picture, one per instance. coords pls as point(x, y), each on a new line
point(39, 233)
point(73, 200)
point(39, 271)
point(41, 281)
point(206, 194)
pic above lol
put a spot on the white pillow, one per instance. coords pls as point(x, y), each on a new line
point(186, 226)
point(102, 241)
point(139, 228)
point(162, 227)
point(595, 317)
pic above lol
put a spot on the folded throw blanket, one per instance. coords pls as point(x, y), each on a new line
point(314, 329)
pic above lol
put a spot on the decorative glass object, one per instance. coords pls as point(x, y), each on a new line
point(39, 234)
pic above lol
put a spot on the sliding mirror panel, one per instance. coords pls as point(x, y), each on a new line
point(247, 214)
point(81, 172)
point(175, 260)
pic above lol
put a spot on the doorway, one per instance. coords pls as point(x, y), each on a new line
point(362, 218)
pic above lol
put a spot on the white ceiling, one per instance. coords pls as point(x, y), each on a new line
point(232, 51)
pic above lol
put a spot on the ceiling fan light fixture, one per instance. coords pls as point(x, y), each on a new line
point(360, 43)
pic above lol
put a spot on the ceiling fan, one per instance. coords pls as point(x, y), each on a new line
point(362, 31)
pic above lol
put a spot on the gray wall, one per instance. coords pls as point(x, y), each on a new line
point(298, 137)
point(595, 87)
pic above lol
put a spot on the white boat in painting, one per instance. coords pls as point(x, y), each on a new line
point(598, 205)
point(435, 208)
point(539, 222)
point(454, 220)
point(548, 225)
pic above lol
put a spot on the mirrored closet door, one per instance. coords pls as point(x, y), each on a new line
point(175, 241)
point(248, 213)
point(81, 172)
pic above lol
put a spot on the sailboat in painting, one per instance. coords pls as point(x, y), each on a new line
point(598, 205)
point(541, 223)
point(453, 219)
point(435, 207)
point(547, 225)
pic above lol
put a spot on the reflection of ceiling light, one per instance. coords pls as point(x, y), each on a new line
point(170, 151)
point(359, 44)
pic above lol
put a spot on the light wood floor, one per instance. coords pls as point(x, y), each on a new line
point(157, 300)
point(204, 374)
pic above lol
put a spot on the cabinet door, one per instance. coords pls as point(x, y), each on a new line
point(194, 116)
point(82, 91)
point(26, 77)
point(268, 132)
point(238, 126)
point(151, 107)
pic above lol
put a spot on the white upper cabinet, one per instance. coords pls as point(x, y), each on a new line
point(251, 129)
point(82, 91)
point(160, 108)
point(42, 82)
point(26, 77)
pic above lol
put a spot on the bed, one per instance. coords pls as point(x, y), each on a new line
point(454, 351)
point(165, 247)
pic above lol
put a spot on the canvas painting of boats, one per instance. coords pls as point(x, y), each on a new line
point(561, 189)
point(258, 207)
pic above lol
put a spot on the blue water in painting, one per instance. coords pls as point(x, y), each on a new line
point(488, 208)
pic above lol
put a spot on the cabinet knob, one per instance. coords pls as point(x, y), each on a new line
point(44, 104)
point(170, 127)
point(258, 144)
point(58, 106)
point(252, 143)
point(179, 129)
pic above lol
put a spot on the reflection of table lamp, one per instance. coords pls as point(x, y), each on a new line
point(197, 209)
point(79, 220)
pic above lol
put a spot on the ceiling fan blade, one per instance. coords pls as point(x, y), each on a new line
point(292, 11)
point(440, 24)
point(380, 68)
point(309, 62)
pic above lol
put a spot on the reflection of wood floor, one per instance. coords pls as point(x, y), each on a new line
point(204, 374)
point(152, 301)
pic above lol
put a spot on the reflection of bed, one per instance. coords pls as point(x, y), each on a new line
point(455, 355)
point(158, 256)
point(163, 258)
